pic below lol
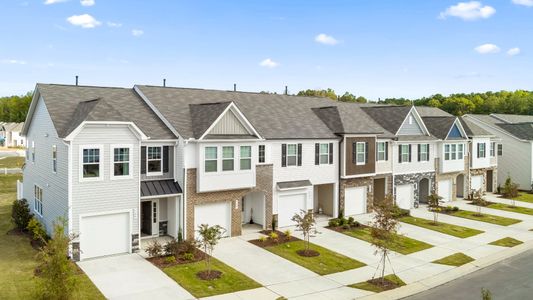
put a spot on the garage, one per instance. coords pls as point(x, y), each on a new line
point(105, 234)
point(477, 182)
point(218, 213)
point(445, 189)
point(288, 206)
point(355, 200)
point(405, 196)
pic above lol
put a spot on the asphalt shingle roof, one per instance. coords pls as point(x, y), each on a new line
point(428, 111)
point(389, 117)
point(472, 129)
point(522, 131)
point(439, 126)
point(203, 115)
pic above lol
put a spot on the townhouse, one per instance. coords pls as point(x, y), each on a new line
point(10, 135)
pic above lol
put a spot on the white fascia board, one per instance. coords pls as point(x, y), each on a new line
point(132, 125)
point(29, 115)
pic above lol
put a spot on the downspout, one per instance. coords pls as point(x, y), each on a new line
point(341, 144)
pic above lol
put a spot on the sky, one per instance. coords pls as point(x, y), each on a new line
point(375, 49)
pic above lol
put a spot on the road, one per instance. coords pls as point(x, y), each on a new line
point(509, 279)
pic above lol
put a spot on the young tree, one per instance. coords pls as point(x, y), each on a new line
point(434, 206)
point(479, 201)
point(510, 190)
point(305, 222)
point(384, 227)
point(209, 236)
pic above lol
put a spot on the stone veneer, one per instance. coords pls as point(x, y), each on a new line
point(263, 184)
point(355, 182)
point(453, 176)
point(415, 178)
point(483, 171)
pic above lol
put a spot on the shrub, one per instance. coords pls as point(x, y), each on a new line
point(455, 208)
point(262, 239)
point(510, 189)
point(343, 221)
point(170, 259)
point(351, 221)
point(154, 249)
point(37, 230)
point(288, 234)
point(172, 247)
point(346, 226)
point(20, 214)
point(273, 236)
point(188, 256)
point(274, 223)
point(341, 214)
point(180, 235)
point(189, 246)
point(356, 224)
point(499, 190)
point(333, 223)
point(398, 212)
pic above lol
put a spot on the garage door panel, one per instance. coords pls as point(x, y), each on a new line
point(288, 206)
point(103, 235)
point(445, 190)
point(405, 196)
point(213, 214)
point(355, 201)
point(477, 182)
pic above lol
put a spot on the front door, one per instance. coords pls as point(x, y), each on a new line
point(146, 218)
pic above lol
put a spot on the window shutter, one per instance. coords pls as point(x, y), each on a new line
point(317, 153)
point(143, 160)
point(386, 150)
point(283, 155)
point(419, 147)
point(299, 154)
point(366, 152)
point(478, 151)
point(399, 153)
point(354, 153)
point(410, 152)
point(427, 145)
point(330, 153)
point(165, 159)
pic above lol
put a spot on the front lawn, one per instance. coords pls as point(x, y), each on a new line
point(507, 207)
point(17, 262)
point(456, 260)
point(450, 229)
point(401, 244)
point(484, 217)
point(506, 242)
point(392, 281)
point(12, 162)
point(229, 282)
point(326, 263)
point(525, 197)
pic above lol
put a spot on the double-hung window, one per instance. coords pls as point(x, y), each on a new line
point(481, 150)
point(54, 158)
point(382, 154)
point(454, 151)
point(261, 154)
point(460, 151)
point(500, 149)
point(324, 154)
point(246, 158)
point(154, 160)
point(228, 158)
point(447, 152)
point(292, 154)
point(38, 200)
point(424, 152)
point(210, 159)
point(492, 149)
point(121, 162)
point(360, 153)
point(405, 153)
point(91, 162)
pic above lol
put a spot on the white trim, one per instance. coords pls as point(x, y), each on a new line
point(35, 200)
point(156, 111)
point(385, 144)
point(362, 175)
point(320, 154)
point(226, 140)
point(357, 162)
point(295, 155)
point(461, 129)
point(160, 173)
point(31, 111)
point(112, 148)
point(159, 196)
point(80, 127)
point(240, 116)
point(100, 163)
point(418, 120)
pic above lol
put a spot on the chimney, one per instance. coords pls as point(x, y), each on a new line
point(76, 80)
point(286, 90)
point(234, 87)
point(164, 82)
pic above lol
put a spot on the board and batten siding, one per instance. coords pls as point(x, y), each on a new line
point(410, 129)
point(229, 124)
point(106, 195)
point(55, 185)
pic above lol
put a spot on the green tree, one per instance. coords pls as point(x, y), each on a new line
point(434, 206)
point(329, 93)
point(384, 227)
point(209, 236)
point(305, 222)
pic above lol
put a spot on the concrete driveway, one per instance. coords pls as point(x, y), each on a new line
point(130, 276)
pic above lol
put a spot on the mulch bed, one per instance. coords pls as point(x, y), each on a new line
point(16, 231)
point(209, 275)
point(384, 284)
point(346, 227)
point(282, 238)
point(163, 262)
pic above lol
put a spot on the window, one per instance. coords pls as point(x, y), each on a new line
point(91, 163)
point(210, 160)
point(261, 154)
point(154, 160)
point(454, 151)
point(121, 161)
point(480, 150)
point(228, 158)
point(447, 152)
point(492, 149)
point(38, 200)
point(405, 153)
point(292, 155)
point(460, 151)
point(382, 151)
point(246, 157)
point(500, 149)
point(324, 154)
point(54, 158)
point(424, 152)
point(360, 153)
point(33, 151)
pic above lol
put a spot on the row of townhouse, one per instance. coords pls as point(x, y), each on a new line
point(10, 134)
point(122, 165)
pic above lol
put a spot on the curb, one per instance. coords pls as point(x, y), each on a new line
point(450, 275)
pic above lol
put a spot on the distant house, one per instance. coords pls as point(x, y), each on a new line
point(10, 135)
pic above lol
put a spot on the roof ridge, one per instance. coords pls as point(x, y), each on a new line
point(85, 86)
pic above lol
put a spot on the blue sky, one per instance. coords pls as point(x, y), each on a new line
point(376, 49)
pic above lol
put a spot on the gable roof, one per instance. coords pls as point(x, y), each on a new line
point(439, 126)
point(472, 129)
point(429, 111)
point(348, 118)
point(70, 105)
point(522, 131)
point(513, 118)
point(389, 117)
point(203, 115)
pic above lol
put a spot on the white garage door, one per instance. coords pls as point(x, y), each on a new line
point(288, 206)
point(355, 201)
point(218, 213)
point(105, 235)
point(405, 196)
point(477, 182)
point(445, 190)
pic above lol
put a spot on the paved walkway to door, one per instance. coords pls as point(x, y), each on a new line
point(131, 277)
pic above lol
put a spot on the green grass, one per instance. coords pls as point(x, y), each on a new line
point(506, 242)
point(401, 244)
point(230, 281)
point(456, 260)
point(485, 217)
point(524, 197)
point(367, 286)
point(12, 162)
point(17, 257)
point(450, 229)
point(326, 263)
point(515, 209)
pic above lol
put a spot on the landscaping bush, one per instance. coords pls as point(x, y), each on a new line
point(37, 230)
point(154, 249)
point(262, 239)
point(274, 223)
point(188, 246)
point(288, 234)
point(333, 223)
point(170, 259)
point(398, 212)
point(455, 208)
point(20, 214)
point(510, 189)
point(172, 247)
point(188, 256)
point(273, 236)
point(351, 221)
point(343, 221)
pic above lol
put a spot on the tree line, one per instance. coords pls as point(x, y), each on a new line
point(15, 108)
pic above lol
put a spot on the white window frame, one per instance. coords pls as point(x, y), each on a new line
point(261, 154)
point(492, 149)
point(224, 159)
point(453, 151)
point(54, 159)
point(447, 149)
point(160, 172)
point(383, 152)
point(320, 154)
point(460, 151)
point(33, 151)
point(130, 167)
point(295, 155)
point(426, 153)
point(211, 159)
point(406, 153)
point(357, 153)
point(244, 157)
point(38, 200)
point(101, 163)
point(482, 149)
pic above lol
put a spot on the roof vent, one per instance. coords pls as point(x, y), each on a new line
point(234, 87)
point(286, 90)
point(164, 82)
point(76, 80)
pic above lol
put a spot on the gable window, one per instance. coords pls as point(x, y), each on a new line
point(228, 156)
point(38, 200)
point(154, 160)
point(481, 150)
point(447, 152)
point(410, 120)
point(246, 157)
point(360, 153)
point(292, 154)
point(210, 159)
point(121, 161)
point(460, 151)
point(382, 151)
point(423, 152)
point(54, 158)
point(454, 151)
point(500, 149)
point(405, 153)
point(492, 149)
point(91, 163)
point(324, 154)
point(33, 151)
point(261, 154)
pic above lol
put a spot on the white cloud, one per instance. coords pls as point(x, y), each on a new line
point(48, 2)
point(268, 63)
point(523, 2)
point(87, 2)
point(487, 49)
point(137, 32)
point(84, 21)
point(114, 25)
point(468, 11)
point(513, 51)
point(326, 39)
point(13, 61)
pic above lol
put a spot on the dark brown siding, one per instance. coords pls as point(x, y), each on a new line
point(370, 166)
